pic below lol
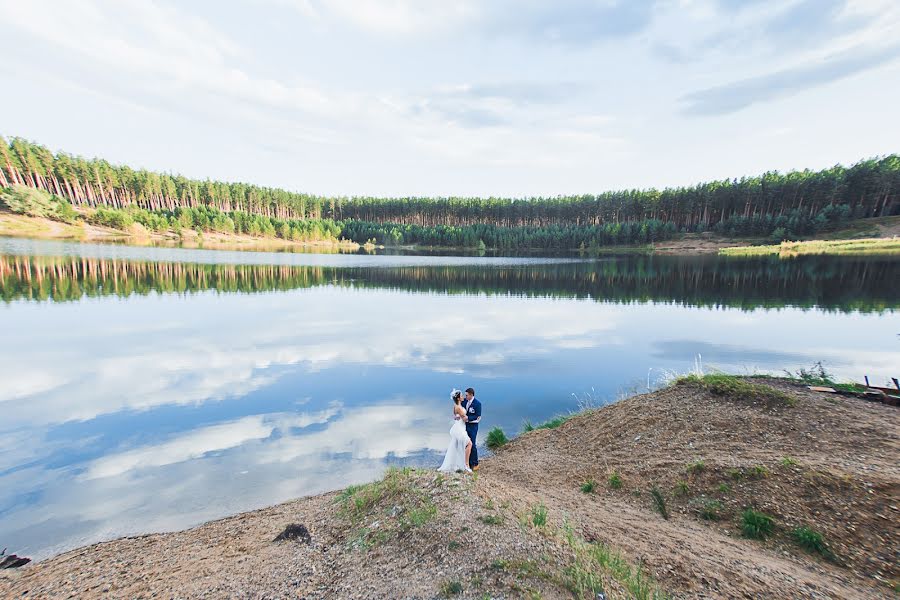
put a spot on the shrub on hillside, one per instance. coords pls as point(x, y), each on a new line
point(36, 203)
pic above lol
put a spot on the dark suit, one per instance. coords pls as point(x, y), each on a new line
point(473, 414)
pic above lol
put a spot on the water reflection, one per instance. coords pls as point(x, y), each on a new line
point(834, 283)
point(149, 395)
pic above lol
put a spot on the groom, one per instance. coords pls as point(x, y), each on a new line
point(473, 416)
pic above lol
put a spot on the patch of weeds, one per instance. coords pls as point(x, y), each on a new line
point(636, 493)
point(451, 588)
point(788, 461)
point(554, 422)
point(534, 595)
point(453, 545)
point(527, 427)
point(396, 495)
point(694, 467)
point(818, 375)
point(539, 515)
point(496, 438)
point(614, 480)
point(756, 525)
point(659, 502)
point(594, 561)
point(489, 504)
point(723, 488)
point(476, 581)
point(588, 486)
point(811, 540)
point(500, 564)
point(732, 386)
point(710, 510)
point(735, 474)
point(682, 489)
point(759, 471)
point(491, 519)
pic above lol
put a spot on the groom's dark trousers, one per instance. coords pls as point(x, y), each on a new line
point(473, 413)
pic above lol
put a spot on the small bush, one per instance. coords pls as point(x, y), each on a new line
point(451, 588)
point(696, 466)
point(108, 217)
point(539, 515)
point(588, 486)
point(682, 489)
point(615, 481)
point(496, 438)
point(710, 509)
point(810, 540)
point(659, 502)
point(756, 525)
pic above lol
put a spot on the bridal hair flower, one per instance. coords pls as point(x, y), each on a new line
point(454, 394)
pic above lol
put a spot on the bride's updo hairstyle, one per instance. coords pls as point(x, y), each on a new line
point(456, 396)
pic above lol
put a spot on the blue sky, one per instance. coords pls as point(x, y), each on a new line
point(432, 97)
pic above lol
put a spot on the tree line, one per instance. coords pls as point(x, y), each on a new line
point(794, 203)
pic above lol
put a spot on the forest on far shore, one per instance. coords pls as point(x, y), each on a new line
point(773, 205)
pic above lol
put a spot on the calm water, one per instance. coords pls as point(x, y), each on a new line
point(150, 389)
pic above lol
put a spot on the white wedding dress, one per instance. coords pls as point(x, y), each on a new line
point(455, 459)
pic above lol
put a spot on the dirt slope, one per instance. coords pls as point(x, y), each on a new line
point(824, 462)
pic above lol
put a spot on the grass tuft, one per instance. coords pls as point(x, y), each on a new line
point(588, 486)
point(451, 588)
point(659, 502)
point(756, 525)
point(682, 489)
point(788, 461)
point(491, 519)
point(724, 488)
point(696, 466)
point(810, 540)
point(496, 439)
point(614, 480)
point(539, 515)
point(710, 510)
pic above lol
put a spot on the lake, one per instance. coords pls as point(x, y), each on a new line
point(151, 389)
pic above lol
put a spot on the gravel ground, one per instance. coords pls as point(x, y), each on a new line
point(418, 534)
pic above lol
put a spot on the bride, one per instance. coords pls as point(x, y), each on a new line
point(457, 457)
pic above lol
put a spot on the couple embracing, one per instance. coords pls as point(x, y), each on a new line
point(462, 454)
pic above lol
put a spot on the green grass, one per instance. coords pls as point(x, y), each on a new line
point(551, 424)
point(756, 525)
point(32, 202)
point(735, 387)
point(451, 588)
point(883, 246)
point(659, 502)
point(759, 471)
point(710, 510)
point(810, 540)
point(496, 439)
point(788, 461)
point(735, 474)
point(723, 488)
point(614, 480)
point(491, 519)
point(588, 486)
point(682, 489)
point(539, 515)
point(697, 466)
point(397, 489)
point(594, 561)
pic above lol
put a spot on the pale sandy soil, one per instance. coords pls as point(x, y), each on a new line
point(844, 482)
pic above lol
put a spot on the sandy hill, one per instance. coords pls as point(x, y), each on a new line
point(567, 512)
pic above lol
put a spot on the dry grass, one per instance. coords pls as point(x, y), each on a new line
point(888, 246)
